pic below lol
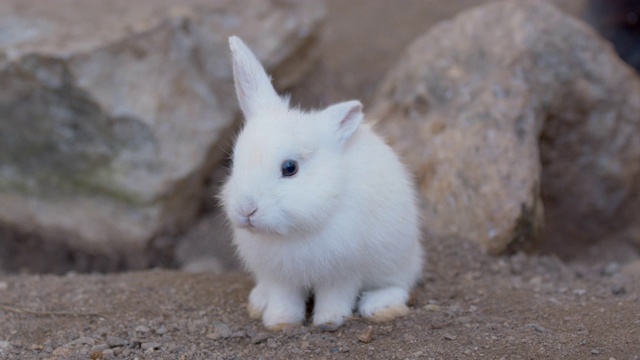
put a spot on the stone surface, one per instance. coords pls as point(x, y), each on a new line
point(112, 115)
point(206, 246)
point(535, 106)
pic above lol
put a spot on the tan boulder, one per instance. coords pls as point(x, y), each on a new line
point(506, 107)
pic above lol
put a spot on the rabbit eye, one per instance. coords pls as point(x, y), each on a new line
point(289, 168)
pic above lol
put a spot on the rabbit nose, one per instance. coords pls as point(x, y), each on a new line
point(248, 209)
point(252, 212)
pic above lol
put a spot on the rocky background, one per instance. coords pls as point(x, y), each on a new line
point(518, 119)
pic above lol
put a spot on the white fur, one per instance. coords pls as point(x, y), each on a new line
point(344, 226)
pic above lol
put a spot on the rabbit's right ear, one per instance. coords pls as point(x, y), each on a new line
point(253, 85)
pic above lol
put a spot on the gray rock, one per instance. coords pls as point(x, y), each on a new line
point(272, 344)
point(214, 336)
point(142, 329)
point(84, 340)
point(611, 269)
point(206, 246)
point(535, 107)
point(99, 348)
point(5, 347)
point(537, 327)
point(162, 330)
point(113, 341)
point(450, 336)
point(222, 329)
point(259, 338)
point(109, 126)
point(618, 290)
point(150, 345)
point(107, 353)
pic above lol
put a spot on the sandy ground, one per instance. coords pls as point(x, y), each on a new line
point(469, 306)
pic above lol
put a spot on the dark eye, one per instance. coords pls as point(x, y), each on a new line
point(289, 168)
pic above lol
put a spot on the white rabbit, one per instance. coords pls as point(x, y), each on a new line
point(319, 205)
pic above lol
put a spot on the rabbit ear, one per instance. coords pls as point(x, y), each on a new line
point(253, 85)
point(345, 117)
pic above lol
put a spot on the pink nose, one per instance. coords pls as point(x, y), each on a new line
point(252, 212)
point(244, 218)
point(248, 211)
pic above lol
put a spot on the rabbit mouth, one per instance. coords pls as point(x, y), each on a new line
point(245, 223)
point(260, 226)
point(248, 223)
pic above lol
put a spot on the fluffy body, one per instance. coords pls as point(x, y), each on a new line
point(343, 228)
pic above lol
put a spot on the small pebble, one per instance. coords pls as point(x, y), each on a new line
point(304, 345)
point(99, 348)
point(408, 338)
point(239, 334)
point(161, 331)
point(108, 352)
point(143, 329)
point(222, 329)
point(259, 337)
point(464, 319)
point(618, 290)
point(291, 331)
point(84, 340)
point(149, 345)
point(367, 335)
point(271, 344)
point(61, 351)
point(214, 336)
point(3, 285)
point(432, 307)
point(611, 269)
point(580, 292)
point(595, 351)
point(4, 345)
point(537, 327)
point(113, 341)
point(450, 337)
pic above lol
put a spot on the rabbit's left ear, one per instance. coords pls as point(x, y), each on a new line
point(344, 117)
point(253, 85)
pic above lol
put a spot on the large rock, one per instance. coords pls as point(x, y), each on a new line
point(508, 104)
point(113, 112)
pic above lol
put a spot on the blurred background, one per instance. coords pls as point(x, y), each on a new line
point(116, 117)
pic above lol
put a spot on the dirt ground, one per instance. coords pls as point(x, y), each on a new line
point(469, 306)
